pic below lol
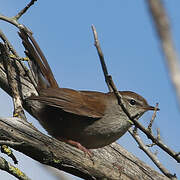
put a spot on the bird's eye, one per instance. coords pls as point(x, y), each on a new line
point(132, 102)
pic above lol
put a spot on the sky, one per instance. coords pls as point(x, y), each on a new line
point(132, 52)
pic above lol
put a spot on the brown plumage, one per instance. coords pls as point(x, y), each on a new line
point(85, 119)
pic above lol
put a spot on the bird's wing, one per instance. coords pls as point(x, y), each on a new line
point(83, 103)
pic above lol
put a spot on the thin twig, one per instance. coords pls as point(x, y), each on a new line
point(24, 10)
point(101, 56)
point(152, 156)
point(158, 136)
point(153, 117)
point(108, 78)
point(157, 141)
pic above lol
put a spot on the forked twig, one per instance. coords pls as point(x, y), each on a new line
point(152, 156)
point(14, 20)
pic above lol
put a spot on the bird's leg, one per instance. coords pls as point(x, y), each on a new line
point(77, 145)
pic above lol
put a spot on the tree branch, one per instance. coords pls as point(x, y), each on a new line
point(152, 156)
point(23, 11)
point(101, 57)
point(110, 162)
point(8, 167)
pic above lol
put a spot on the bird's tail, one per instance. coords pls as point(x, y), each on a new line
point(38, 63)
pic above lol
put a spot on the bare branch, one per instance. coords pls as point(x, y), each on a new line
point(24, 10)
point(108, 77)
point(10, 20)
point(157, 141)
point(6, 150)
point(101, 56)
point(14, 20)
point(6, 166)
point(151, 155)
point(152, 119)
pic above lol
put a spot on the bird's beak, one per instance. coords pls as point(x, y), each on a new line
point(151, 108)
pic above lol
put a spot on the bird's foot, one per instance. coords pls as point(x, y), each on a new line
point(77, 145)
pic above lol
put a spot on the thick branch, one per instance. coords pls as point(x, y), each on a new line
point(111, 162)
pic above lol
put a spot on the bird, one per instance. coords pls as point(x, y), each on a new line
point(84, 119)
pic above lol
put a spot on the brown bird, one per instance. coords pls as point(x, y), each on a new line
point(85, 119)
